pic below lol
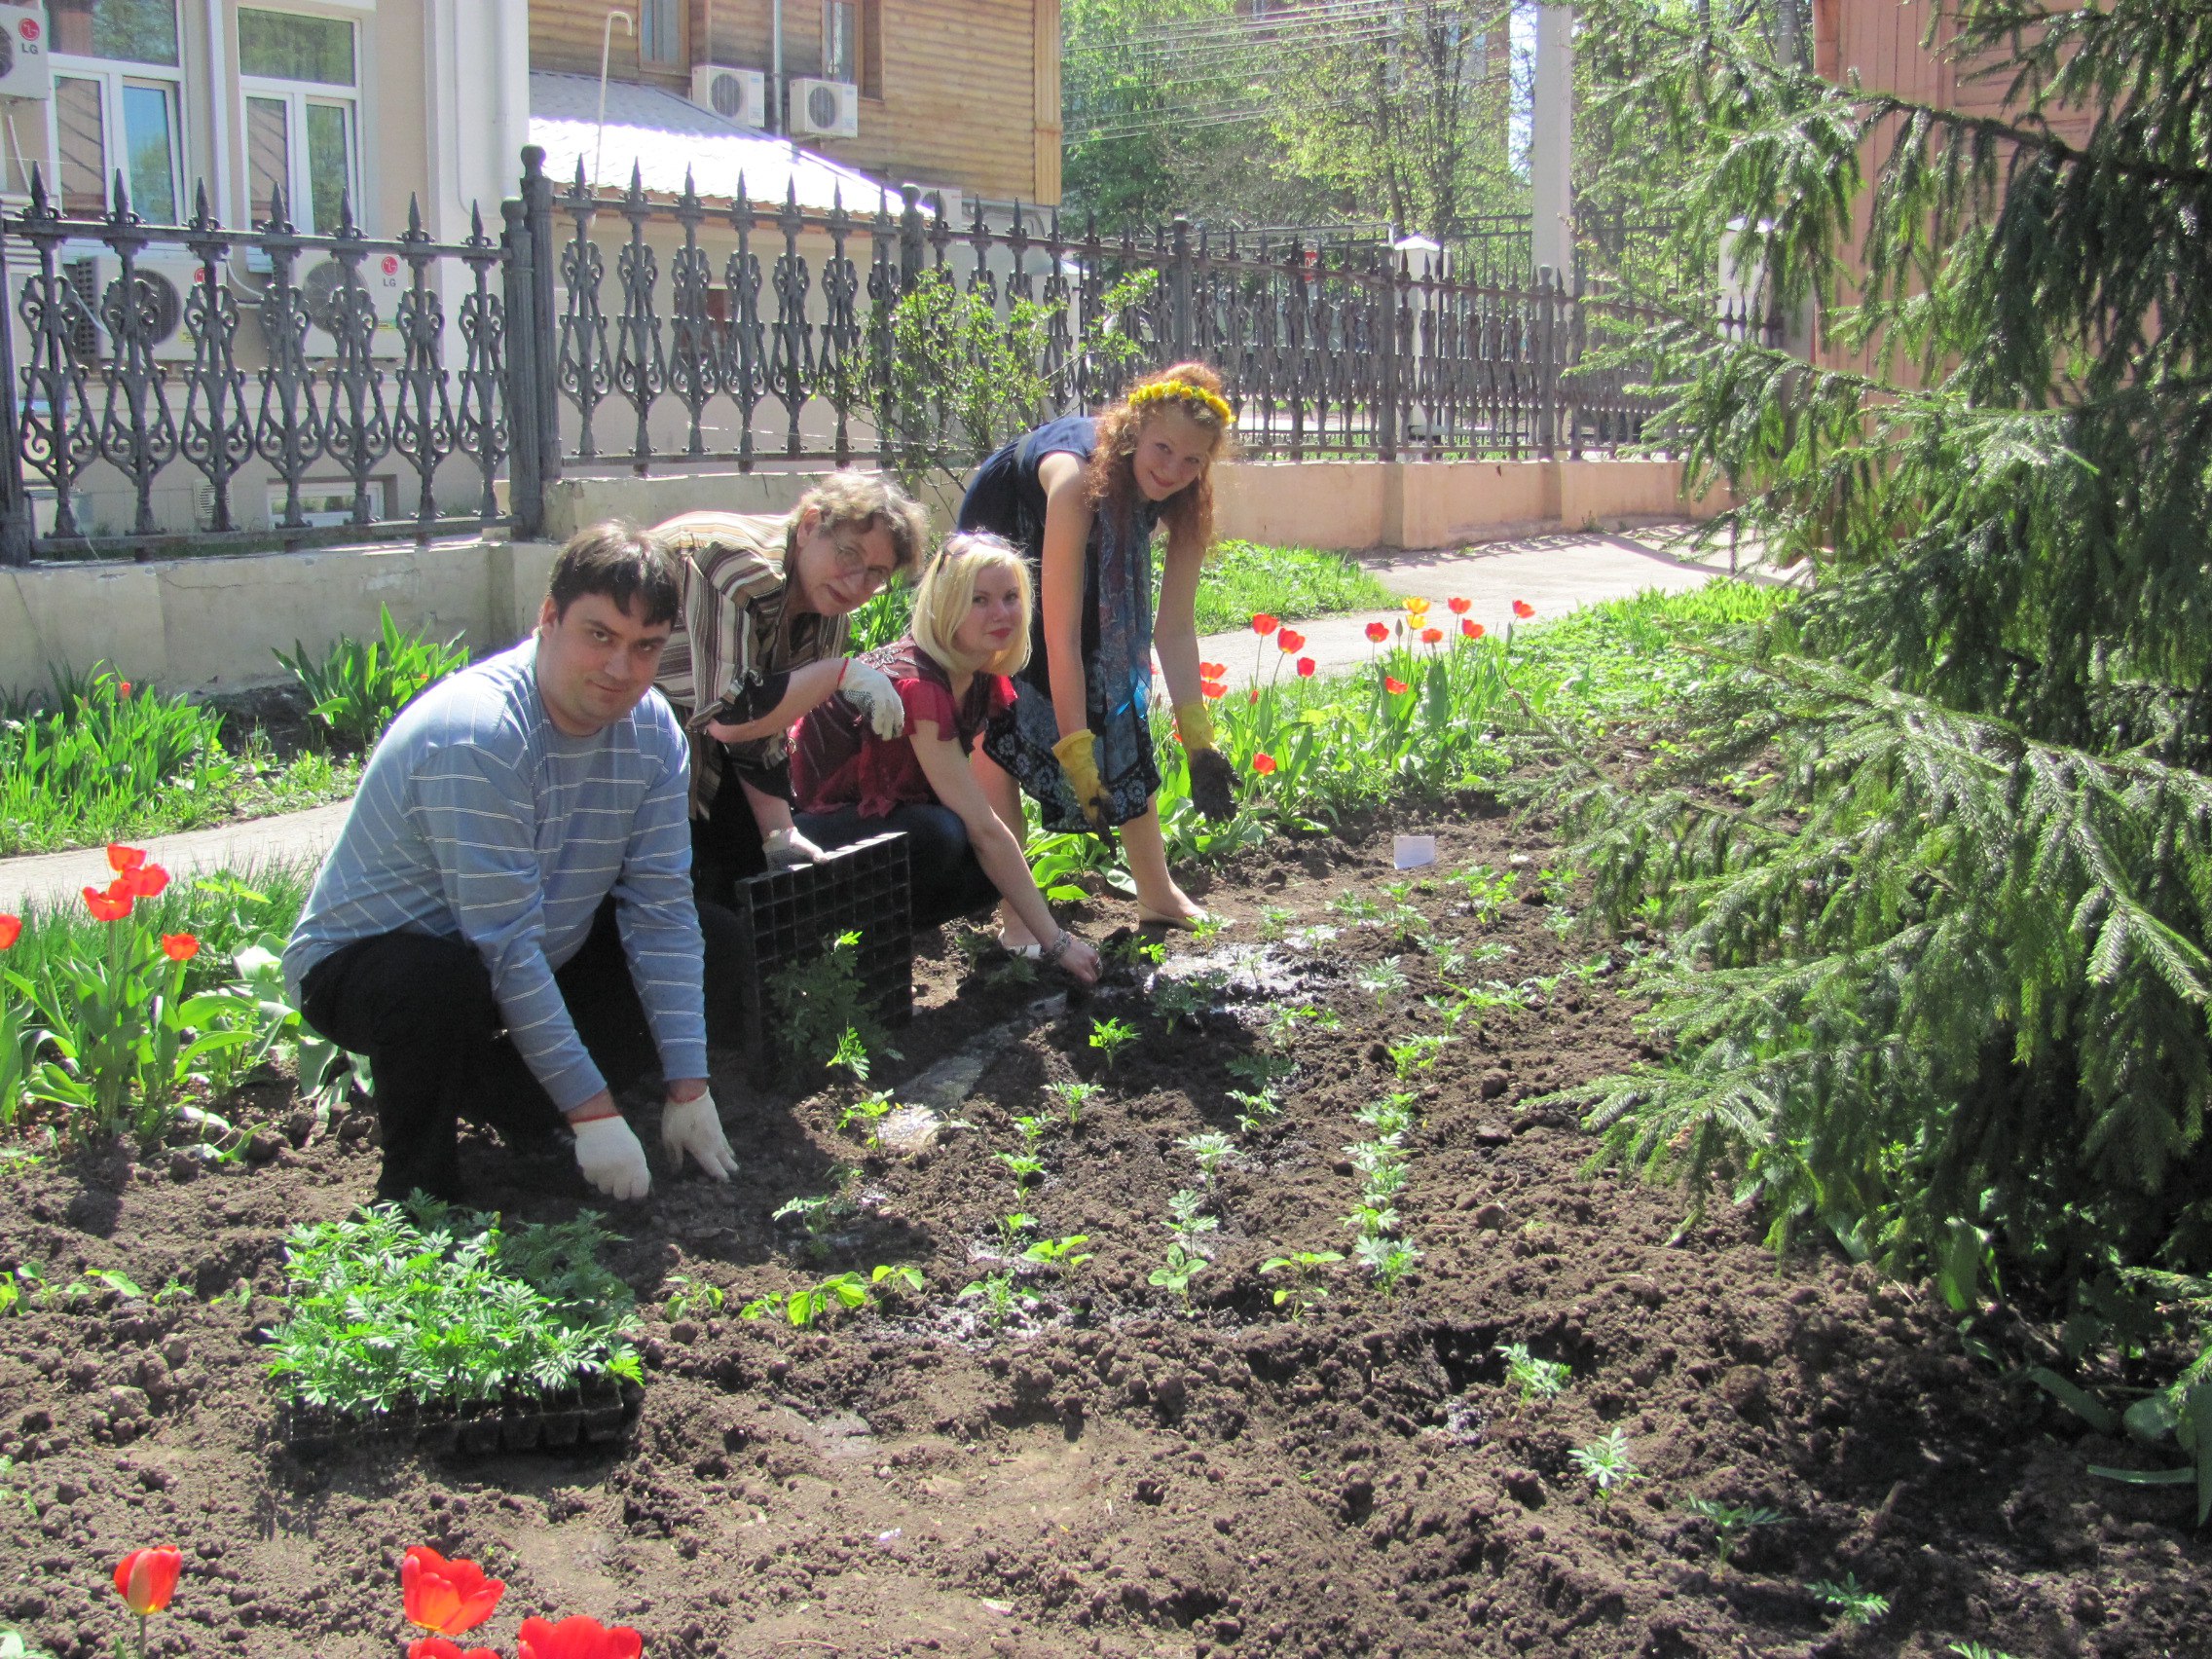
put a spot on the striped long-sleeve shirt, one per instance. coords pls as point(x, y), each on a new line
point(477, 819)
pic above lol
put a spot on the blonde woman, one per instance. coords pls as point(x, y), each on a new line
point(1081, 497)
point(951, 671)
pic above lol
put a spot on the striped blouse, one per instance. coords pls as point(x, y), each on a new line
point(738, 634)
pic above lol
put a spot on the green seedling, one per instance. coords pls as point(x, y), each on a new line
point(1382, 1166)
point(1556, 883)
point(1316, 936)
point(1854, 1603)
point(819, 1213)
point(1073, 1097)
point(1606, 1462)
point(1009, 970)
point(1259, 1110)
point(108, 1278)
point(1209, 1151)
point(1387, 1259)
point(997, 1294)
point(896, 1281)
point(810, 1306)
point(1284, 1020)
point(1488, 889)
point(1372, 1221)
point(1010, 1229)
point(1305, 1290)
point(1176, 1272)
point(1730, 1522)
point(1390, 1116)
point(1415, 1054)
point(1382, 980)
point(1032, 1129)
point(1259, 1071)
point(9, 1495)
point(1024, 1167)
point(1354, 905)
point(1964, 1649)
point(1274, 922)
point(1110, 1036)
point(1067, 1254)
point(1176, 999)
point(868, 1112)
point(687, 1295)
point(1533, 1378)
point(850, 1056)
point(1587, 973)
point(1189, 1222)
point(1137, 951)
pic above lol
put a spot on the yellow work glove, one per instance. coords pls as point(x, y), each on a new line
point(1077, 756)
point(1213, 790)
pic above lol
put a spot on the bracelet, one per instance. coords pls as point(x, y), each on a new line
point(1058, 947)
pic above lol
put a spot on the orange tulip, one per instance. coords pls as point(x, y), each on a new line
point(1263, 624)
point(444, 1595)
point(1212, 670)
point(1306, 668)
point(1213, 688)
point(1429, 636)
point(179, 947)
point(108, 906)
point(146, 881)
point(122, 859)
point(1524, 609)
point(11, 930)
point(576, 1638)
point(1460, 607)
point(1396, 687)
point(1378, 632)
point(1262, 764)
point(146, 1579)
point(1471, 628)
point(1291, 640)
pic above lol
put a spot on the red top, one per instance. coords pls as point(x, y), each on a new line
point(837, 760)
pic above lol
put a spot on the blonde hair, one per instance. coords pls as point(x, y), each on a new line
point(864, 500)
point(948, 590)
point(1191, 388)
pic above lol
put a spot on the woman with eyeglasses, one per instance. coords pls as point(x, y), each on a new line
point(969, 632)
point(763, 642)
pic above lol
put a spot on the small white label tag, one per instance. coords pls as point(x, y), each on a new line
point(1411, 852)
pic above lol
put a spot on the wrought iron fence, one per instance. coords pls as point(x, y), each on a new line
point(780, 346)
point(408, 386)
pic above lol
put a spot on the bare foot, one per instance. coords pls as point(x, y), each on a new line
point(1014, 936)
point(1180, 910)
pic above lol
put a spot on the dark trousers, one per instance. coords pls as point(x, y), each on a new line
point(943, 878)
point(725, 846)
point(422, 1010)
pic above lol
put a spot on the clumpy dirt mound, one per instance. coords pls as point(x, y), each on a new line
point(1106, 1469)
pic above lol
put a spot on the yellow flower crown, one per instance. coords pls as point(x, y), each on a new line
point(1183, 391)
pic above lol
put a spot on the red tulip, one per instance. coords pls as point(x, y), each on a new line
point(179, 947)
point(439, 1648)
point(1263, 624)
point(1291, 640)
point(1471, 628)
point(146, 881)
point(445, 1596)
point(146, 1579)
point(1429, 636)
point(1396, 687)
point(123, 689)
point(1213, 670)
point(122, 859)
point(1460, 607)
point(1378, 632)
point(11, 930)
point(1262, 764)
point(1524, 609)
point(1306, 668)
point(576, 1638)
point(1213, 688)
point(108, 906)
point(1253, 697)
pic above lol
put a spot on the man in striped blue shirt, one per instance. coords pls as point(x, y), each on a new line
point(506, 923)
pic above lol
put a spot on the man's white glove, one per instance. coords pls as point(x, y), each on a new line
point(612, 1160)
point(878, 699)
point(694, 1127)
point(787, 848)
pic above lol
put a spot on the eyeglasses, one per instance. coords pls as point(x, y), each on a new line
point(852, 561)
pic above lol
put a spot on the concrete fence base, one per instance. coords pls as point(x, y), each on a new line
point(209, 625)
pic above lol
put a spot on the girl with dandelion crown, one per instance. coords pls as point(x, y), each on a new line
point(1081, 497)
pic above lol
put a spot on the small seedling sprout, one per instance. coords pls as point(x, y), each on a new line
point(1608, 1463)
point(850, 1056)
point(688, 1295)
point(1209, 1151)
point(1731, 1522)
point(1305, 1291)
point(1414, 1053)
point(1066, 1254)
point(1073, 1097)
point(1259, 1110)
point(1110, 1036)
point(1010, 1229)
point(1026, 1166)
point(1387, 1259)
point(1181, 1267)
point(1852, 1601)
point(1032, 1128)
point(868, 1111)
point(1535, 1378)
point(997, 1293)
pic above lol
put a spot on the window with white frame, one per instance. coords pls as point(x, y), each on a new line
point(660, 31)
point(118, 82)
point(299, 80)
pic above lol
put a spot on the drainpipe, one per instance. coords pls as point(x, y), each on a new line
point(606, 46)
point(777, 112)
point(219, 122)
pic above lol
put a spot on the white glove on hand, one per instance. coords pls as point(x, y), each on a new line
point(694, 1127)
point(612, 1160)
point(786, 848)
point(871, 688)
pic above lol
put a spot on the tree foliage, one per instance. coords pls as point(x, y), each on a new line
point(1940, 853)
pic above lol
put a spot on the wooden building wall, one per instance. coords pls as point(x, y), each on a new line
point(970, 89)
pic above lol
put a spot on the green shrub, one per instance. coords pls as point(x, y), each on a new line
point(356, 688)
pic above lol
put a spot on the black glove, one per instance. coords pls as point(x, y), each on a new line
point(1214, 783)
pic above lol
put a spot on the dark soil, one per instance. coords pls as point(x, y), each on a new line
point(1110, 1473)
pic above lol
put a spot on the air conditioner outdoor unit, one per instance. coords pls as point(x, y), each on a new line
point(383, 278)
point(164, 281)
point(25, 72)
point(945, 201)
point(735, 94)
point(825, 109)
point(73, 281)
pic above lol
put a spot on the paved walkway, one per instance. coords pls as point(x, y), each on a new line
point(1555, 573)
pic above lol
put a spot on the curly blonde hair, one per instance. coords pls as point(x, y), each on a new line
point(1111, 480)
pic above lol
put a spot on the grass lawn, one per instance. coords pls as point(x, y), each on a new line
point(1293, 583)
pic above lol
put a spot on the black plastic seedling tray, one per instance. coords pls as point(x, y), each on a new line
point(599, 1412)
point(790, 916)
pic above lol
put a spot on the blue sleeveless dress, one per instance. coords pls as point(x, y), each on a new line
point(1006, 498)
